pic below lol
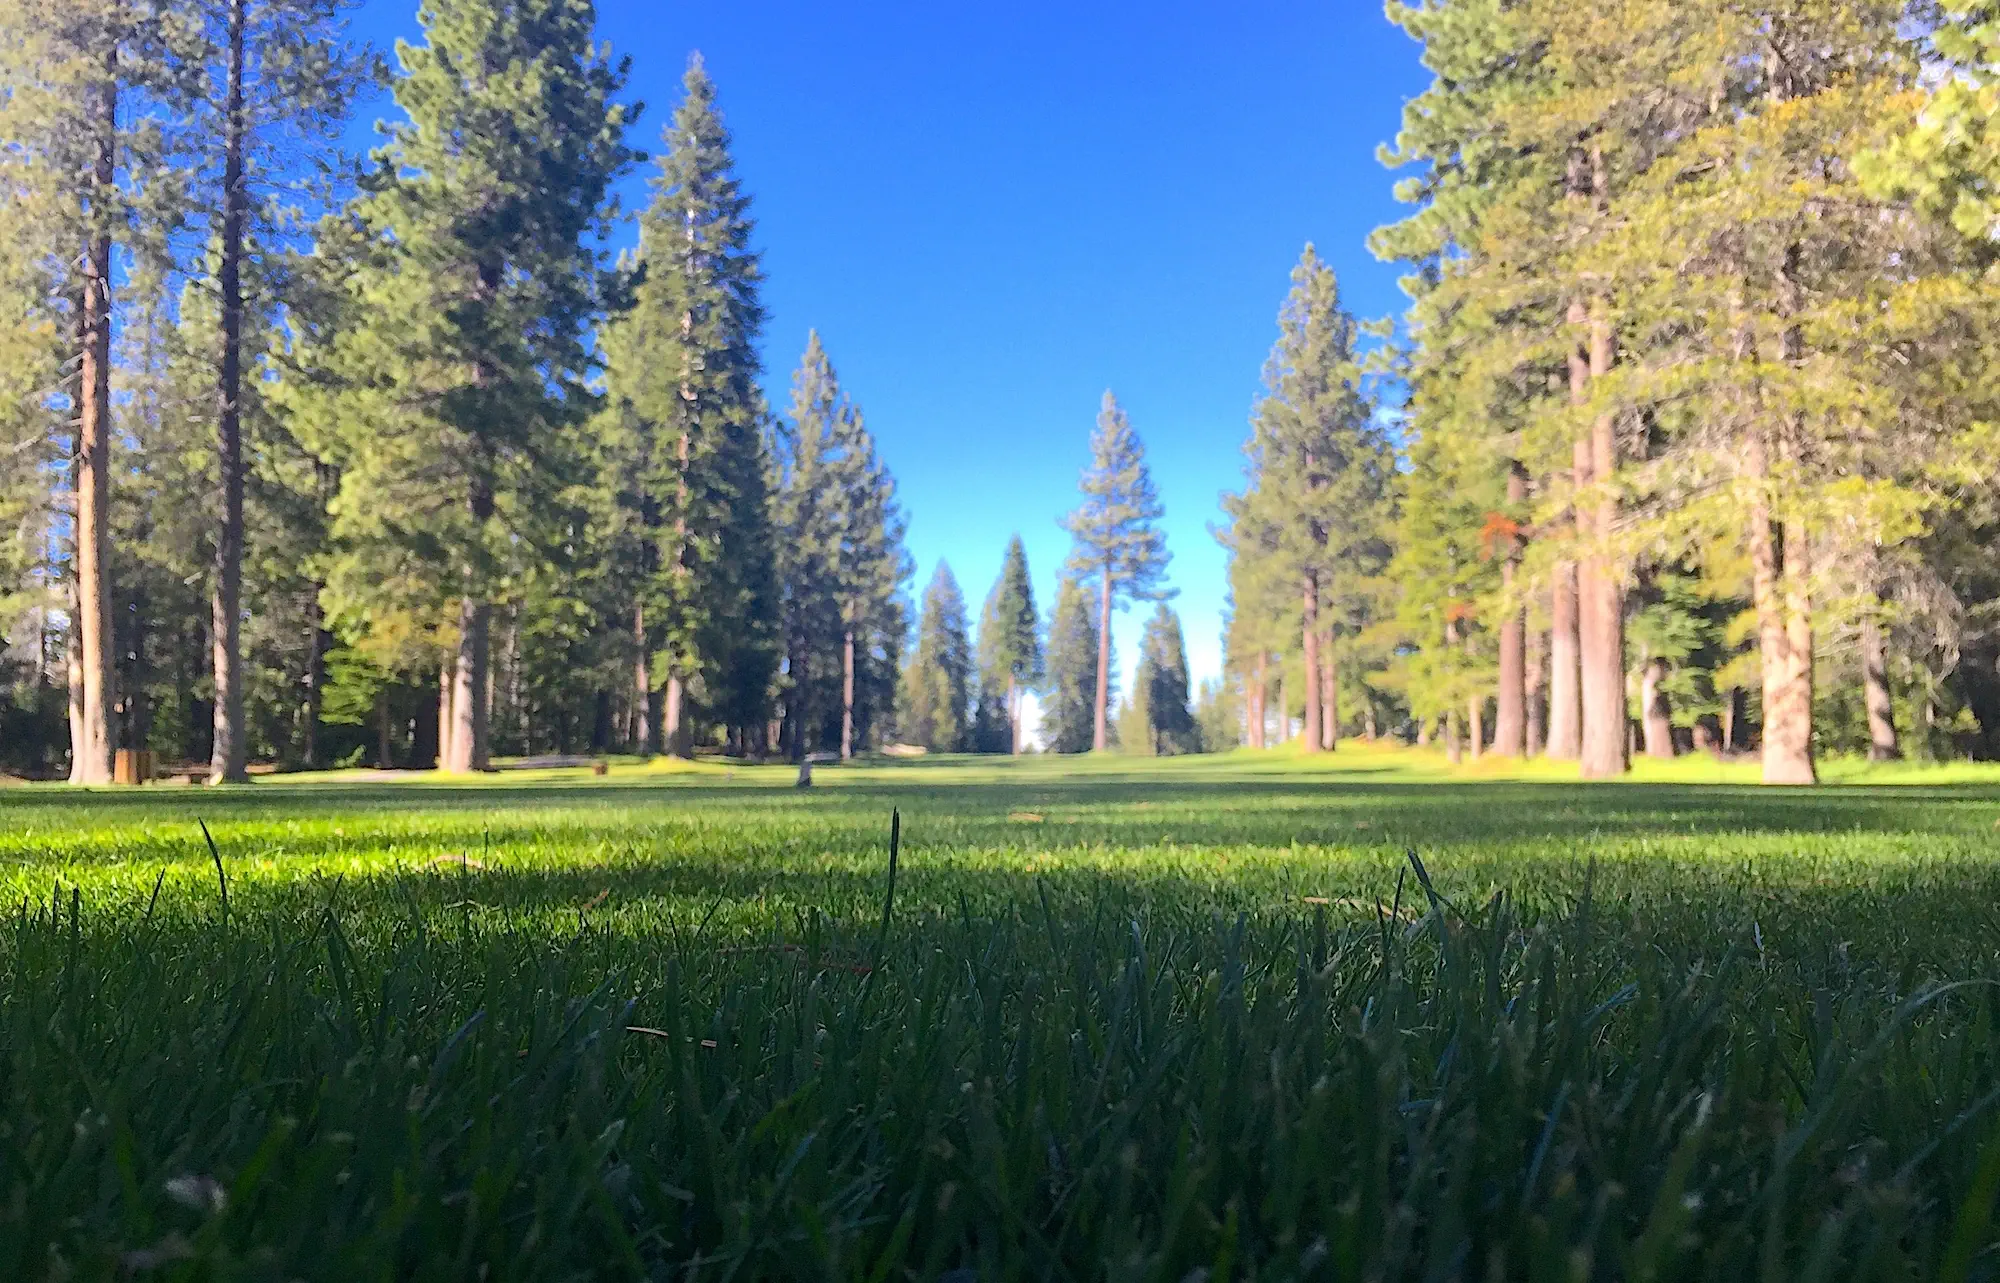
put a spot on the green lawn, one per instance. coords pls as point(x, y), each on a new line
point(1122, 1019)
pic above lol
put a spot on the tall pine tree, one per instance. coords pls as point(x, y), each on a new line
point(1119, 547)
point(937, 683)
point(1010, 638)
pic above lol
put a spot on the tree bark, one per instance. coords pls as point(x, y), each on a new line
point(73, 665)
point(673, 718)
point(93, 491)
point(1329, 698)
point(642, 684)
point(1259, 719)
point(1454, 752)
point(1565, 731)
point(226, 760)
point(1882, 742)
point(847, 695)
point(1778, 558)
point(1656, 711)
point(315, 684)
point(1099, 737)
point(1510, 717)
point(469, 752)
point(1601, 602)
point(447, 689)
point(1536, 662)
point(1014, 703)
point(1309, 603)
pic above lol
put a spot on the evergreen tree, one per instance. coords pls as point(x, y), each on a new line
point(937, 682)
point(1163, 677)
point(688, 421)
point(1010, 640)
point(471, 272)
point(844, 564)
point(1119, 544)
point(1070, 692)
point(1317, 506)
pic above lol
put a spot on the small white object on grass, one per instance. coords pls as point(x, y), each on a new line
point(805, 773)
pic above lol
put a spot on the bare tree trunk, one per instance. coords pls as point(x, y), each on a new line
point(1099, 737)
point(1259, 718)
point(1423, 732)
point(847, 695)
point(642, 683)
point(1565, 733)
point(1510, 714)
point(1329, 698)
point(93, 491)
point(1655, 709)
point(1310, 644)
point(469, 752)
point(447, 689)
point(1284, 708)
point(1601, 602)
point(226, 760)
point(673, 718)
point(1454, 752)
point(315, 685)
point(1732, 713)
point(1882, 742)
point(1014, 702)
point(73, 663)
point(1536, 661)
point(1784, 632)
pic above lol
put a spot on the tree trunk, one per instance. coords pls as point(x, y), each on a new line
point(73, 663)
point(1284, 707)
point(226, 761)
point(384, 750)
point(469, 752)
point(1536, 661)
point(674, 718)
point(1329, 699)
point(1882, 742)
point(1423, 732)
point(447, 688)
point(1309, 602)
point(315, 685)
point(1778, 561)
point(1510, 713)
point(847, 695)
point(1601, 602)
point(1454, 752)
point(93, 492)
point(1259, 717)
point(1732, 717)
point(1014, 703)
point(642, 684)
point(1565, 731)
point(1099, 737)
point(1655, 710)
point(1368, 729)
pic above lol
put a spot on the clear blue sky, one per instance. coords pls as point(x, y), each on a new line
point(992, 213)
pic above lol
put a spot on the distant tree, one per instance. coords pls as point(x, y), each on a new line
point(1119, 544)
point(937, 682)
point(449, 408)
point(1010, 640)
point(1070, 689)
point(843, 562)
point(1218, 715)
point(1163, 674)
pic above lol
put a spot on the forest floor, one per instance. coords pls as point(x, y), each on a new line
point(1251, 1014)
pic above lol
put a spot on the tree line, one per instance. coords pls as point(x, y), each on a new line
point(321, 459)
point(1685, 441)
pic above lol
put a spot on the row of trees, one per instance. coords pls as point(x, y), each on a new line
point(1695, 450)
point(318, 459)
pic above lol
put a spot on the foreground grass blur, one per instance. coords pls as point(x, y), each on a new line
point(1126, 1019)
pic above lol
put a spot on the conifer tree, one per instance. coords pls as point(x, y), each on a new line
point(1163, 678)
point(1070, 692)
point(1119, 544)
point(683, 369)
point(1317, 505)
point(275, 85)
point(475, 280)
point(1010, 639)
point(937, 701)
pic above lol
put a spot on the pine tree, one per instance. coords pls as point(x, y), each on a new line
point(1070, 692)
point(1317, 507)
point(689, 419)
point(474, 279)
point(937, 682)
point(1163, 677)
point(1119, 544)
point(1010, 639)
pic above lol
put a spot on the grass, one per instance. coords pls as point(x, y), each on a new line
point(1205, 1018)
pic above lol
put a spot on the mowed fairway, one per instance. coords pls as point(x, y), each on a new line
point(1121, 1019)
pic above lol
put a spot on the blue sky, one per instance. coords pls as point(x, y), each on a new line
point(994, 212)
